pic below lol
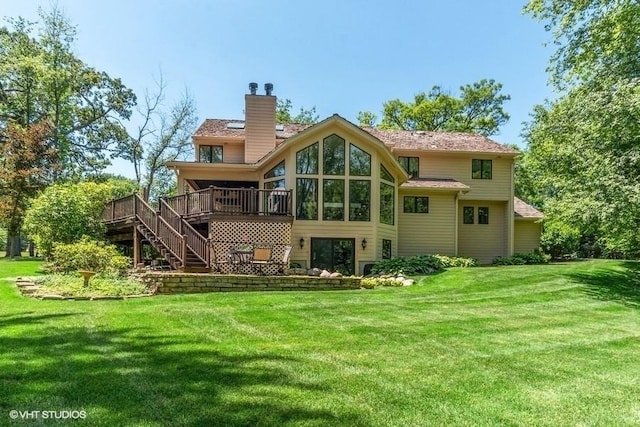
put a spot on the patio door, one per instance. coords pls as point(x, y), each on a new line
point(333, 254)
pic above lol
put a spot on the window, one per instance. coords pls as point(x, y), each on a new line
point(333, 154)
point(483, 215)
point(359, 161)
point(270, 185)
point(359, 200)
point(416, 204)
point(384, 174)
point(210, 154)
point(307, 160)
point(333, 199)
point(468, 212)
point(411, 165)
point(278, 170)
point(386, 249)
point(387, 207)
point(481, 169)
point(307, 198)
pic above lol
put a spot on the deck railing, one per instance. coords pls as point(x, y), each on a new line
point(119, 209)
point(195, 241)
point(244, 201)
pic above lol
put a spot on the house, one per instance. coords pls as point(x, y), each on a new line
point(345, 196)
point(341, 196)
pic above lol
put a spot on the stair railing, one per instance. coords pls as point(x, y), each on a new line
point(196, 242)
point(161, 228)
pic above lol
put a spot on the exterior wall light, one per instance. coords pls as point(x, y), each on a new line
point(301, 242)
point(364, 244)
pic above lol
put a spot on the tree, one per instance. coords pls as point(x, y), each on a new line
point(597, 39)
point(26, 163)
point(283, 114)
point(367, 119)
point(64, 213)
point(478, 110)
point(164, 135)
point(41, 80)
point(585, 155)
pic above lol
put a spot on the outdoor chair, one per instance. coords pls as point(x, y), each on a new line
point(284, 262)
point(261, 257)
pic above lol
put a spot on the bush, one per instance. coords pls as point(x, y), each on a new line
point(3, 239)
point(456, 261)
point(414, 265)
point(375, 282)
point(523, 259)
point(73, 285)
point(89, 255)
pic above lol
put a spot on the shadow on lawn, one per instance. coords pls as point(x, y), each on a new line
point(621, 285)
point(132, 377)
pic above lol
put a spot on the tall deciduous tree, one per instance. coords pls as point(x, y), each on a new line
point(164, 135)
point(27, 163)
point(42, 80)
point(479, 109)
point(283, 113)
point(596, 40)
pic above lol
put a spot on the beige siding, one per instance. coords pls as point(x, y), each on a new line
point(483, 241)
point(526, 236)
point(260, 130)
point(430, 233)
point(233, 153)
point(458, 167)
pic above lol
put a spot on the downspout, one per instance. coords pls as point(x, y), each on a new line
point(510, 214)
point(455, 226)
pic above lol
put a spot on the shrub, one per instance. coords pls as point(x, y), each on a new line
point(456, 261)
point(73, 285)
point(522, 259)
point(375, 282)
point(89, 255)
point(414, 265)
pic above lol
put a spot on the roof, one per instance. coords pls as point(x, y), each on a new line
point(524, 210)
point(397, 139)
point(218, 127)
point(439, 141)
point(435, 183)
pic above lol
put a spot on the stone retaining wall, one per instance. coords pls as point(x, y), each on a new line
point(180, 283)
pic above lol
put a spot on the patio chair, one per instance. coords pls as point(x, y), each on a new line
point(284, 263)
point(220, 259)
point(261, 257)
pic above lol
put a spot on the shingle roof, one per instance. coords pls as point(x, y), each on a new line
point(439, 141)
point(524, 210)
point(435, 183)
point(399, 139)
point(218, 127)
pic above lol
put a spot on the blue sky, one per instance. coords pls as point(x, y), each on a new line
point(341, 56)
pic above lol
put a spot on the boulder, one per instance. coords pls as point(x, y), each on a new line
point(325, 274)
point(314, 272)
point(335, 275)
point(407, 282)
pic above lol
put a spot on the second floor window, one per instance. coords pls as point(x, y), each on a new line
point(416, 204)
point(210, 154)
point(411, 165)
point(481, 169)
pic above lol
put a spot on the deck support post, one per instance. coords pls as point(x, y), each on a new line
point(184, 251)
point(137, 250)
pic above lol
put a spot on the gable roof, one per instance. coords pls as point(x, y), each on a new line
point(523, 210)
point(395, 139)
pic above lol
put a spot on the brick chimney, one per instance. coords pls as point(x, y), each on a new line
point(260, 123)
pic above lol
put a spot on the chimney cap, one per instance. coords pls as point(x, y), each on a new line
point(253, 87)
point(268, 88)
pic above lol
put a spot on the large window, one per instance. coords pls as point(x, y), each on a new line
point(411, 165)
point(416, 204)
point(333, 199)
point(276, 171)
point(333, 154)
point(483, 215)
point(359, 200)
point(481, 169)
point(210, 154)
point(307, 160)
point(307, 198)
point(384, 174)
point(359, 161)
point(468, 214)
point(387, 206)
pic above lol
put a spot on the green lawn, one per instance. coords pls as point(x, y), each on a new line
point(554, 345)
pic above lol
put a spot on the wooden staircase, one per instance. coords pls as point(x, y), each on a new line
point(183, 247)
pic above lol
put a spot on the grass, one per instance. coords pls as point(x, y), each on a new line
point(524, 345)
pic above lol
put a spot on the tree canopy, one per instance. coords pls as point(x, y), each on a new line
point(478, 109)
point(283, 113)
